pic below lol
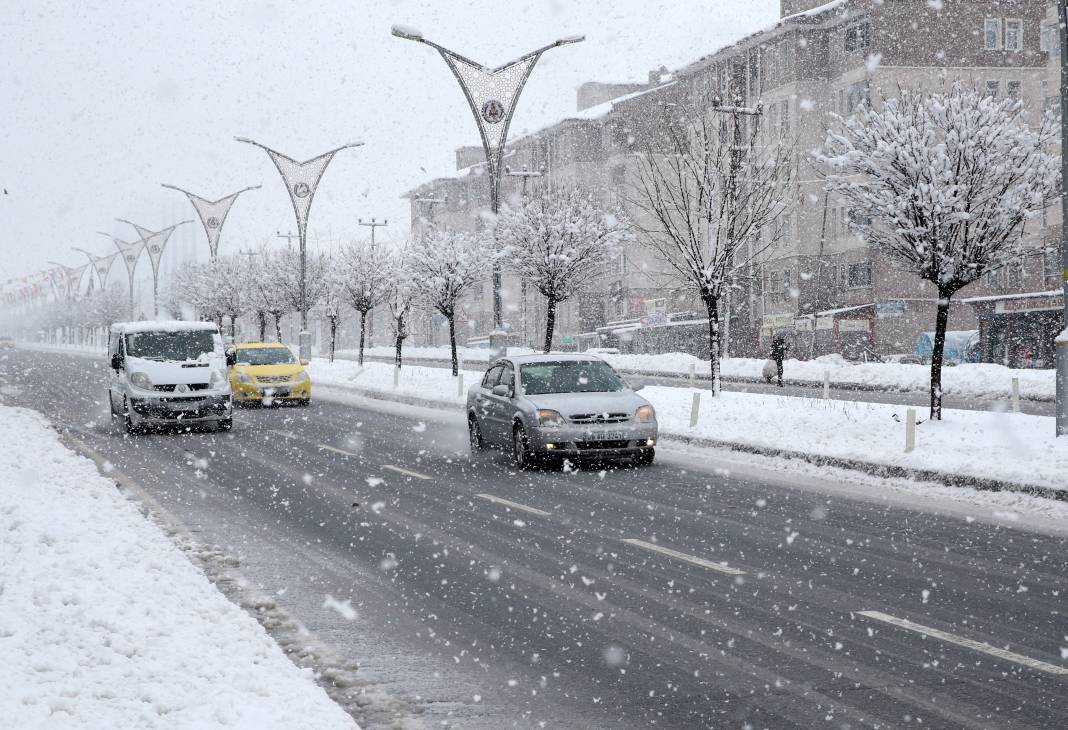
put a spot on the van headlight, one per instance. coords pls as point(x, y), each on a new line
point(141, 380)
point(645, 414)
point(217, 380)
point(547, 417)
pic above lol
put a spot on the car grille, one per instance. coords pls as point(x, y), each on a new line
point(593, 445)
point(170, 388)
point(599, 417)
point(272, 379)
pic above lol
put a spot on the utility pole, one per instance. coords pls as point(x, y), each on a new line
point(1062, 340)
point(372, 224)
point(737, 147)
point(523, 175)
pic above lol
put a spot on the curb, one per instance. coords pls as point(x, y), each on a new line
point(866, 467)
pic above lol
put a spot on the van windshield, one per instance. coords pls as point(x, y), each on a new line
point(176, 345)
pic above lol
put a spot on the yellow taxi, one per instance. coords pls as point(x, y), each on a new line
point(268, 372)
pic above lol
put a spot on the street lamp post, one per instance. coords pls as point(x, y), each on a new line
point(212, 213)
point(153, 242)
point(373, 225)
point(1062, 340)
point(301, 179)
point(492, 94)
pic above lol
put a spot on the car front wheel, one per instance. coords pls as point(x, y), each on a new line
point(522, 458)
point(474, 434)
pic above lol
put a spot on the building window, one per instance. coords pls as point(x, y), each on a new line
point(1013, 88)
point(774, 291)
point(1013, 34)
point(1015, 273)
point(992, 34)
point(1049, 40)
point(855, 94)
point(784, 116)
point(860, 274)
point(857, 38)
point(993, 89)
point(1051, 266)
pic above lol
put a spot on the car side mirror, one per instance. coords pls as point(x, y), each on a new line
point(231, 358)
point(502, 390)
point(116, 361)
point(305, 361)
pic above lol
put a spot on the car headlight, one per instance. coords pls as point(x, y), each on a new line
point(547, 417)
point(645, 414)
point(243, 378)
point(301, 377)
point(141, 380)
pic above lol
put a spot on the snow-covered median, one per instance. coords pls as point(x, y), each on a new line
point(973, 380)
point(1007, 447)
point(105, 624)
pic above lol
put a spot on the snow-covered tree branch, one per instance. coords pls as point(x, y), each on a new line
point(364, 271)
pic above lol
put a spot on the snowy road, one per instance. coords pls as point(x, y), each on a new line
point(678, 595)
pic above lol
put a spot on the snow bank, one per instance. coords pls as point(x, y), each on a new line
point(105, 624)
point(1009, 447)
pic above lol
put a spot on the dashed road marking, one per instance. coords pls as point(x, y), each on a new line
point(287, 434)
point(967, 643)
point(726, 569)
point(327, 447)
point(406, 472)
point(514, 505)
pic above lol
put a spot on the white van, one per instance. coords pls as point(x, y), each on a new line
point(169, 373)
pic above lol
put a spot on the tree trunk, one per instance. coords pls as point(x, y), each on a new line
point(233, 326)
point(333, 335)
point(712, 307)
point(550, 323)
point(938, 348)
point(278, 326)
point(363, 334)
point(263, 323)
point(401, 334)
point(452, 343)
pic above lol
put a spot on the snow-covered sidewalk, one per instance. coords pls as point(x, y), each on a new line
point(105, 624)
point(981, 445)
point(979, 380)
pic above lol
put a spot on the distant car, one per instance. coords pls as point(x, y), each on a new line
point(557, 406)
point(266, 372)
point(903, 358)
point(7, 343)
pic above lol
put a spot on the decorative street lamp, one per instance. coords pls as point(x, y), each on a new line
point(492, 94)
point(100, 264)
point(301, 179)
point(153, 242)
point(129, 252)
point(212, 213)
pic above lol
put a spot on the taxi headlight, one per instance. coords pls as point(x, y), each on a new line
point(547, 417)
point(141, 380)
point(243, 378)
point(645, 414)
point(301, 377)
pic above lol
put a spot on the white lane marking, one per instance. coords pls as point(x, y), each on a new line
point(683, 556)
point(514, 505)
point(406, 472)
point(337, 450)
point(287, 434)
point(968, 643)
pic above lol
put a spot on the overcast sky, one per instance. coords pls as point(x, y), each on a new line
point(101, 102)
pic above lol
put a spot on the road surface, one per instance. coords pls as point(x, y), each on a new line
point(676, 596)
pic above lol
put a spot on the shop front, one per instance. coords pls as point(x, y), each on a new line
point(1018, 330)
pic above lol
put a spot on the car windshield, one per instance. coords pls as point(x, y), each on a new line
point(265, 356)
point(569, 376)
point(176, 345)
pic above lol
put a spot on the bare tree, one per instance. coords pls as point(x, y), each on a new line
point(558, 242)
point(365, 271)
point(400, 296)
point(714, 193)
point(444, 267)
point(942, 183)
point(332, 301)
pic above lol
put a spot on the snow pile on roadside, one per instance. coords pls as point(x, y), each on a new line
point(1011, 447)
point(105, 624)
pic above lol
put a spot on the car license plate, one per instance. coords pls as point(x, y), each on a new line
point(276, 392)
point(606, 436)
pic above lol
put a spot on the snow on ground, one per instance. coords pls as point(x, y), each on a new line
point(105, 624)
point(972, 380)
point(1002, 446)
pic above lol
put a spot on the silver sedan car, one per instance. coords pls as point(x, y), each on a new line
point(560, 406)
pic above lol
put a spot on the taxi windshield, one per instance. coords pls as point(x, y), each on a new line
point(265, 356)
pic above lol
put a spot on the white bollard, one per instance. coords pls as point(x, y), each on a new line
point(1015, 395)
point(396, 376)
point(910, 430)
point(693, 374)
point(826, 384)
point(460, 385)
point(695, 408)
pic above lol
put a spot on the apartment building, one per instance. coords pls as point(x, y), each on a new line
point(821, 285)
